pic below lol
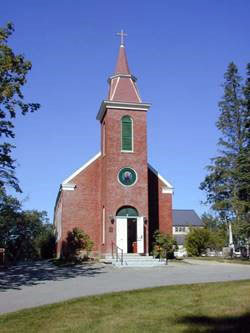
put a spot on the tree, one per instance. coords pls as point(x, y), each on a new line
point(45, 242)
point(14, 69)
point(22, 233)
point(210, 222)
point(10, 210)
point(227, 184)
point(218, 231)
point(197, 241)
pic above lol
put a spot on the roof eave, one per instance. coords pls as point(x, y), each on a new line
point(121, 105)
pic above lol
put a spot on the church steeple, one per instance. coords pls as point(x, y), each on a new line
point(122, 83)
point(123, 92)
point(122, 62)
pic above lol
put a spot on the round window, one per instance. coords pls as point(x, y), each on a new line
point(127, 176)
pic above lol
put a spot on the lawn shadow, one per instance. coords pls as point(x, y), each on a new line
point(225, 324)
point(32, 273)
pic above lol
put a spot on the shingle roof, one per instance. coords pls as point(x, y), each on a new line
point(186, 217)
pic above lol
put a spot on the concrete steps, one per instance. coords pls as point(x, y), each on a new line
point(134, 260)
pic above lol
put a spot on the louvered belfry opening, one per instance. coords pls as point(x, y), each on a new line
point(127, 133)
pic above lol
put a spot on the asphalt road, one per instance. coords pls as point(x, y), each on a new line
point(33, 284)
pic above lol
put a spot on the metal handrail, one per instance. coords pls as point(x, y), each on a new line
point(117, 248)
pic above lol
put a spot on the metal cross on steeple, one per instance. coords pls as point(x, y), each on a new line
point(122, 34)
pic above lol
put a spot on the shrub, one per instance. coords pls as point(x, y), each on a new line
point(164, 245)
point(197, 241)
point(77, 242)
point(48, 247)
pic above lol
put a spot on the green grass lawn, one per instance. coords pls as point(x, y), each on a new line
point(211, 307)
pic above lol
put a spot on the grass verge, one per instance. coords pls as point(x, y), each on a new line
point(224, 260)
point(211, 307)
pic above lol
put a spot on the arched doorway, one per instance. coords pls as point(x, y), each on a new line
point(127, 211)
point(129, 230)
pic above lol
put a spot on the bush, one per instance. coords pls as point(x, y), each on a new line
point(164, 245)
point(78, 245)
point(48, 247)
point(200, 239)
point(197, 241)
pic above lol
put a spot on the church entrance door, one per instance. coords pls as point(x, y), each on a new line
point(132, 235)
point(122, 234)
point(129, 231)
point(140, 235)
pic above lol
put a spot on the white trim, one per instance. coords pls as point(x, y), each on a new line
point(166, 190)
point(115, 88)
point(121, 105)
point(122, 233)
point(111, 88)
point(68, 187)
point(169, 188)
point(136, 92)
point(140, 234)
point(122, 75)
point(103, 225)
point(81, 169)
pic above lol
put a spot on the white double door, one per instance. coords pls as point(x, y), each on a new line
point(122, 234)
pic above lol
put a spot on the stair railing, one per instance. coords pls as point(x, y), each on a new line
point(115, 253)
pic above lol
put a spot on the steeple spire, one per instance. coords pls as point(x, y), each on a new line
point(122, 83)
point(123, 93)
point(122, 61)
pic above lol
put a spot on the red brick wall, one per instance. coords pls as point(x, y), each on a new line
point(160, 207)
point(114, 195)
point(81, 207)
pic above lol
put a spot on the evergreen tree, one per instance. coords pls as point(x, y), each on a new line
point(227, 184)
point(243, 161)
point(13, 72)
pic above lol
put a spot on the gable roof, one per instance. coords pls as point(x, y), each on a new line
point(186, 217)
point(67, 180)
point(165, 182)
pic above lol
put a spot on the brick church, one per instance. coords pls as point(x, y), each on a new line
point(117, 197)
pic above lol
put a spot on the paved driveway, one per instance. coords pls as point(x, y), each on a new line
point(33, 284)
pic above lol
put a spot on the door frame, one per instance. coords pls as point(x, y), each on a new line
point(139, 229)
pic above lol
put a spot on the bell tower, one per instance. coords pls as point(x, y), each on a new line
point(124, 174)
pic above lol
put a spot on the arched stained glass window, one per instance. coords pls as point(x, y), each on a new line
point(127, 211)
point(127, 134)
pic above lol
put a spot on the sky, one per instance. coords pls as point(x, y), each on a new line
point(179, 51)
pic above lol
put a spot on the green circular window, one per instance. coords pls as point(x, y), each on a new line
point(127, 176)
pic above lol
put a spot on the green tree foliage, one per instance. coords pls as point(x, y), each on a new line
point(76, 242)
point(163, 245)
point(227, 184)
point(22, 232)
point(197, 241)
point(14, 69)
point(46, 241)
point(218, 231)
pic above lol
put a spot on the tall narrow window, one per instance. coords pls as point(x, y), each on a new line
point(127, 134)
